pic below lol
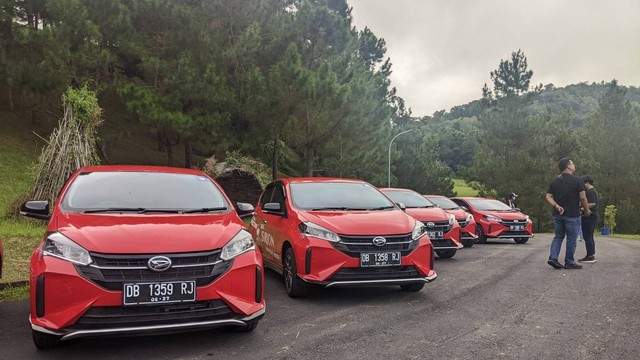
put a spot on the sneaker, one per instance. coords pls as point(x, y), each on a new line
point(555, 263)
point(588, 259)
point(572, 266)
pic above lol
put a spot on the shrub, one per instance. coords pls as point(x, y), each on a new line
point(610, 217)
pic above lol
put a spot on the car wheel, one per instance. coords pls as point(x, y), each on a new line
point(412, 287)
point(293, 284)
point(45, 341)
point(520, 240)
point(250, 325)
point(468, 242)
point(446, 254)
point(481, 237)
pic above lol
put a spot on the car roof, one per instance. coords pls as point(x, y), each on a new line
point(429, 195)
point(320, 180)
point(141, 168)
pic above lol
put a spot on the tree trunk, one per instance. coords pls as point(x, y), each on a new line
point(169, 155)
point(188, 152)
point(309, 160)
point(274, 160)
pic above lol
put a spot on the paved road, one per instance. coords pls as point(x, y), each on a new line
point(492, 301)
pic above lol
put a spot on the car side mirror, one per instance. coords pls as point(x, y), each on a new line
point(273, 208)
point(37, 209)
point(244, 209)
point(402, 206)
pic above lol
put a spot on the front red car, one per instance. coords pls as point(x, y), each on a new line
point(138, 249)
point(467, 224)
point(339, 232)
point(495, 219)
point(442, 227)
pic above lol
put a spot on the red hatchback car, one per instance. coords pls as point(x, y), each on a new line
point(339, 232)
point(467, 224)
point(142, 249)
point(495, 219)
point(442, 227)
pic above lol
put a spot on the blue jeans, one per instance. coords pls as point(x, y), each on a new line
point(569, 227)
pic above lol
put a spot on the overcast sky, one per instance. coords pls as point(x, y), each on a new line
point(442, 51)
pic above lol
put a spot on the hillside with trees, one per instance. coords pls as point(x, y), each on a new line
point(296, 86)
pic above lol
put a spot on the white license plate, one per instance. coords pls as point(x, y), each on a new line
point(159, 292)
point(380, 259)
point(435, 234)
point(516, 227)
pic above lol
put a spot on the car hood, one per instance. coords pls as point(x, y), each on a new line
point(391, 222)
point(458, 213)
point(144, 233)
point(428, 214)
point(505, 215)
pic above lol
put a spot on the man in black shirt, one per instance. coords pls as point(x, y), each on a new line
point(589, 222)
point(566, 193)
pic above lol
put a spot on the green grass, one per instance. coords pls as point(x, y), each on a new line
point(14, 293)
point(627, 236)
point(461, 188)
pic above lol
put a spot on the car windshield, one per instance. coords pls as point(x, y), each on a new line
point(95, 192)
point(338, 196)
point(410, 199)
point(489, 205)
point(443, 202)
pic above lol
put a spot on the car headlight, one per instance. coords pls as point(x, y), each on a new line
point(317, 231)
point(239, 244)
point(527, 219)
point(492, 218)
point(452, 219)
point(419, 230)
point(469, 217)
point(60, 246)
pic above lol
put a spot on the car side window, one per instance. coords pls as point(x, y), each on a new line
point(267, 194)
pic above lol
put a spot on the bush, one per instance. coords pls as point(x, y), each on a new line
point(610, 217)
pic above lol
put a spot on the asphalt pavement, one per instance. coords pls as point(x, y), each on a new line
point(497, 300)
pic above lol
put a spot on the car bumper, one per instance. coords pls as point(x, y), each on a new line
point(321, 264)
point(65, 304)
point(496, 230)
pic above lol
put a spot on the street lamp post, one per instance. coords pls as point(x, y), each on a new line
point(390, 142)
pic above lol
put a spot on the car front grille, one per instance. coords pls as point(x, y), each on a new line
point(109, 317)
point(443, 243)
point(354, 245)
point(462, 223)
point(513, 222)
point(438, 226)
point(111, 271)
point(375, 273)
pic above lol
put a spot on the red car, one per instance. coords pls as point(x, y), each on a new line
point(442, 227)
point(495, 219)
point(142, 249)
point(467, 224)
point(339, 232)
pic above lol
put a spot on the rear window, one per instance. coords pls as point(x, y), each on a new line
point(149, 190)
point(337, 196)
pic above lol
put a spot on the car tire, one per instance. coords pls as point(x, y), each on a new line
point(482, 238)
point(45, 341)
point(292, 283)
point(468, 242)
point(250, 325)
point(446, 254)
point(520, 240)
point(412, 287)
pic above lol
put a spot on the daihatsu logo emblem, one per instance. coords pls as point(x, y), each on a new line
point(159, 263)
point(379, 241)
point(431, 224)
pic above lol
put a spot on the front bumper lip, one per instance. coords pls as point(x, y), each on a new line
point(132, 330)
point(426, 279)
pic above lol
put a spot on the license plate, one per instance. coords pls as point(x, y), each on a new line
point(380, 259)
point(159, 292)
point(434, 234)
point(516, 227)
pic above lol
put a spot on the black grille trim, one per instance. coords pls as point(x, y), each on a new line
point(111, 271)
point(354, 245)
point(443, 243)
point(111, 317)
point(375, 273)
point(438, 226)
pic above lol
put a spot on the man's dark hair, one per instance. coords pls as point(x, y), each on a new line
point(587, 179)
point(563, 163)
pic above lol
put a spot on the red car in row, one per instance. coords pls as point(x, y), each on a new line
point(140, 249)
point(467, 224)
point(442, 227)
point(496, 219)
point(330, 232)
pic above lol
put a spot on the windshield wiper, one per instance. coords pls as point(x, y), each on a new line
point(382, 208)
point(205, 210)
point(139, 210)
point(343, 208)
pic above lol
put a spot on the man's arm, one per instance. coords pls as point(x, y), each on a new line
point(553, 203)
point(585, 203)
